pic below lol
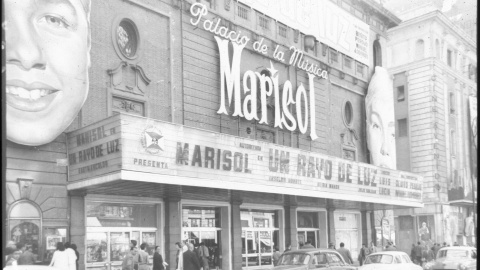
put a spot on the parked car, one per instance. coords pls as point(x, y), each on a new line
point(389, 260)
point(30, 267)
point(461, 258)
point(326, 259)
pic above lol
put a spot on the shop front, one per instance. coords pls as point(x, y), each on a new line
point(159, 183)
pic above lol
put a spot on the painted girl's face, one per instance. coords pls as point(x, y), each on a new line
point(47, 58)
point(381, 134)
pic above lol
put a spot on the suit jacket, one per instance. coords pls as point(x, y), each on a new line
point(190, 261)
point(157, 262)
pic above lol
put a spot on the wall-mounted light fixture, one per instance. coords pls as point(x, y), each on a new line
point(309, 42)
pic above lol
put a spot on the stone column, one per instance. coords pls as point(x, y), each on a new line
point(331, 224)
point(364, 220)
point(291, 221)
point(77, 224)
point(236, 201)
point(225, 236)
point(173, 226)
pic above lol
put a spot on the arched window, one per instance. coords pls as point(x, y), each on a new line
point(377, 54)
point(419, 49)
point(24, 224)
point(437, 49)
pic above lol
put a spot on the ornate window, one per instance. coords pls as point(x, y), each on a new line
point(25, 224)
point(377, 54)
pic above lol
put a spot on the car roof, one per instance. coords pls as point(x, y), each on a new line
point(310, 250)
point(458, 248)
point(396, 252)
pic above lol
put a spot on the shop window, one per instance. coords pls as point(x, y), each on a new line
point(104, 214)
point(419, 49)
point(202, 224)
point(377, 53)
point(400, 93)
point(242, 12)
point(260, 236)
point(402, 127)
point(449, 58)
point(25, 225)
point(52, 237)
point(308, 229)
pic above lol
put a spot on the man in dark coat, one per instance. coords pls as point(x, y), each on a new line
point(345, 253)
point(190, 260)
point(417, 250)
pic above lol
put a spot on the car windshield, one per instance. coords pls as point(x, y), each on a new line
point(453, 253)
point(294, 259)
point(379, 258)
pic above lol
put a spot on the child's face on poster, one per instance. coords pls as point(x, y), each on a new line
point(47, 59)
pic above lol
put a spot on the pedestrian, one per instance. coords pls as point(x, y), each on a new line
point(60, 257)
point(9, 249)
point(364, 251)
point(216, 253)
point(143, 257)
point(431, 254)
point(373, 248)
point(436, 249)
point(27, 257)
point(412, 253)
point(289, 247)
point(179, 257)
point(74, 247)
point(276, 256)
point(13, 258)
point(308, 244)
point(444, 244)
point(331, 245)
point(204, 254)
point(72, 257)
point(418, 254)
point(158, 260)
point(133, 243)
point(345, 253)
point(128, 260)
point(190, 261)
point(197, 252)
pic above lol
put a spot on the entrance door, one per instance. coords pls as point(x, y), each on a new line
point(257, 248)
point(209, 236)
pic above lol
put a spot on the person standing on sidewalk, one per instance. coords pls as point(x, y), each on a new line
point(364, 251)
point(204, 254)
point(345, 253)
point(418, 253)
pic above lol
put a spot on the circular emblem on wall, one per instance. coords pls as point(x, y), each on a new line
point(152, 140)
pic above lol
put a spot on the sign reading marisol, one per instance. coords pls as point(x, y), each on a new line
point(176, 154)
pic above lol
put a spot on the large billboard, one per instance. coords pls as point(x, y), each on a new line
point(143, 149)
point(323, 19)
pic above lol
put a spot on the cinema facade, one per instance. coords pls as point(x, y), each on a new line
point(220, 122)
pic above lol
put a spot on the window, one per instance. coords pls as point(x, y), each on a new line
point(400, 93)
point(449, 58)
point(348, 62)
point(127, 38)
point(453, 145)
point(360, 69)
point(207, 3)
point(419, 49)
point(264, 22)
point(24, 223)
point(346, 6)
point(242, 12)
point(333, 56)
point(402, 127)
point(377, 54)
point(451, 99)
point(347, 113)
point(282, 30)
